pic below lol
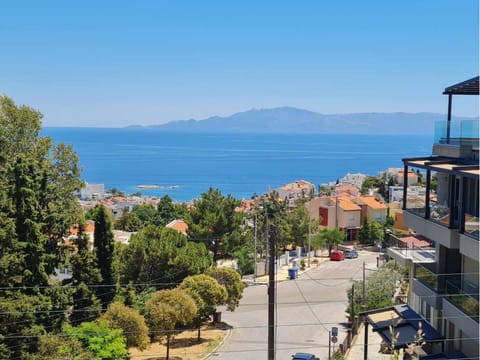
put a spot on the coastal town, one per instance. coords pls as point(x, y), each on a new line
point(184, 180)
point(362, 217)
point(335, 198)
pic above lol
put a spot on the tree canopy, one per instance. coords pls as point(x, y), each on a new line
point(233, 284)
point(135, 329)
point(166, 311)
point(214, 221)
point(37, 206)
point(160, 255)
point(99, 339)
point(103, 244)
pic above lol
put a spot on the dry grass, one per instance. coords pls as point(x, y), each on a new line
point(185, 345)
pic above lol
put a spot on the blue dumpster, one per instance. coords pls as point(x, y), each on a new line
point(292, 273)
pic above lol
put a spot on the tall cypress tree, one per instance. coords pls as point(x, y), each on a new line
point(104, 248)
point(85, 273)
point(38, 182)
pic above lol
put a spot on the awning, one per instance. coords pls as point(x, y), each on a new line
point(468, 87)
point(406, 325)
point(446, 165)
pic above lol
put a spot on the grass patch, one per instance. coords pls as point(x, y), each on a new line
point(185, 345)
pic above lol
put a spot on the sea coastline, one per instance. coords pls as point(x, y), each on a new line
point(184, 165)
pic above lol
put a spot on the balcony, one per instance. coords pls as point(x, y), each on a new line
point(463, 133)
point(471, 226)
point(410, 249)
point(432, 229)
point(463, 294)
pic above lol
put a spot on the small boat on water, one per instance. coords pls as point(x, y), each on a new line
point(148, 187)
point(169, 187)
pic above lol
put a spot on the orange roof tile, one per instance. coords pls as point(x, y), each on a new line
point(178, 225)
point(347, 205)
point(370, 201)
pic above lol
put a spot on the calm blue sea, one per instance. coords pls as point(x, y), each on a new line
point(237, 164)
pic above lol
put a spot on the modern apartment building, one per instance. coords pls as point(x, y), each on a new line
point(444, 287)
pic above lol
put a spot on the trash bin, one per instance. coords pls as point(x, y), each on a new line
point(292, 273)
point(217, 317)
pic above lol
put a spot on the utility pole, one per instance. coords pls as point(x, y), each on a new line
point(309, 238)
point(255, 250)
point(365, 347)
point(272, 238)
point(329, 344)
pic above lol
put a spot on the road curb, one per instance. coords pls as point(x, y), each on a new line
point(219, 345)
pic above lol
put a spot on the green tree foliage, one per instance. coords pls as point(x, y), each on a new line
point(207, 294)
point(372, 182)
point(99, 339)
point(298, 221)
point(85, 273)
point(61, 347)
point(103, 245)
point(213, 220)
point(380, 287)
point(210, 291)
point(160, 255)
point(167, 211)
point(233, 284)
point(115, 192)
point(244, 257)
point(191, 259)
point(272, 212)
point(86, 305)
point(37, 206)
point(135, 330)
point(166, 311)
point(18, 318)
point(128, 222)
point(371, 232)
point(332, 237)
point(147, 214)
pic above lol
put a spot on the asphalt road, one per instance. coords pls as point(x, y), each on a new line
point(307, 308)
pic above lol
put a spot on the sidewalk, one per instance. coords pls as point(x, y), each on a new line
point(356, 351)
point(282, 270)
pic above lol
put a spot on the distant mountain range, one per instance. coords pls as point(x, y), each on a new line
point(293, 120)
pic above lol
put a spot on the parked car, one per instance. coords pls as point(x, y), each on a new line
point(337, 255)
point(304, 356)
point(351, 253)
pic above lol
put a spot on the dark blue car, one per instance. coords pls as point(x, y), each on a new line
point(351, 253)
point(304, 356)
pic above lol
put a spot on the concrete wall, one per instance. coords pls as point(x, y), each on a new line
point(469, 247)
point(439, 233)
point(466, 324)
point(349, 219)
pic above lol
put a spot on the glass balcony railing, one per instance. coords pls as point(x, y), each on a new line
point(471, 226)
point(439, 212)
point(427, 277)
point(416, 204)
point(464, 132)
point(464, 299)
point(463, 294)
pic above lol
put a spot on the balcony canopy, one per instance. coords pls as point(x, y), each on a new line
point(468, 87)
point(406, 324)
point(461, 167)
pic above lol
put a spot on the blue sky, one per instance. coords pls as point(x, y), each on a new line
point(115, 63)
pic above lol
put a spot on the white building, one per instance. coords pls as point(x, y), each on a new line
point(92, 192)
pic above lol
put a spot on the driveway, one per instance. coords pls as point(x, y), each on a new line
point(307, 308)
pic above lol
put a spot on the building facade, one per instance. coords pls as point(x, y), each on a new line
point(444, 287)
